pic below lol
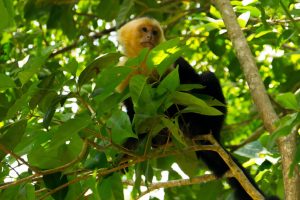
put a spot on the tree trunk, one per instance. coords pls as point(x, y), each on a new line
point(287, 144)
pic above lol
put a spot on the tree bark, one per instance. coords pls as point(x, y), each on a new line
point(287, 144)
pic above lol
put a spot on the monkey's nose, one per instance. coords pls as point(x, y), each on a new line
point(149, 36)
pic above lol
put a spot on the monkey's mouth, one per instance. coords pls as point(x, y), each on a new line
point(147, 44)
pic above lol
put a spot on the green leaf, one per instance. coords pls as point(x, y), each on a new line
point(243, 19)
point(6, 82)
point(254, 11)
point(288, 100)
point(216, 43)
point(4, 105)
point(141, 94)
point(194, 104)
point(43, 89)
point(170, 83)
point(6, 14)
point(124, 10)
point(285, 126)
point(76, 189)
point(188, 162)
point(70, 128)
point(30, 191)
point(189, 87)
point(34, 9)
point(20, 106)
point(19, 192)
point(54, 155)
point(71, 67)
point(67, 22)
point(96, 160)
point(111, 187)
point(96, 66)
point(120, 127)
point(206, 110)
point(34, 64)
point(61, 16)
point(270, 3)
point(136, 61)
point(108, 104)
point(11, 135)
point(250, 150)
point(52, 108)
point(214, 11)
point(108, 80)
point(148, 124)
point(136, 86)
point(105, 12)
point(176, 132)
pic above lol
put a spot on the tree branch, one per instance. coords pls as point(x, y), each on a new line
point(75, 43)
point(182, 182)
point(237, 173)
point(253, 137)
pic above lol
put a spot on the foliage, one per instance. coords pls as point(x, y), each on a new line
point(61, 117)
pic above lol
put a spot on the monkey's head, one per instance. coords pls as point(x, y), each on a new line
point(138, 34)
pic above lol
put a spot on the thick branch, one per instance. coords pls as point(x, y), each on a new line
point(234, 168)
point(287, 145)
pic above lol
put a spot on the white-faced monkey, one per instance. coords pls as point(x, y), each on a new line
point(147, 33)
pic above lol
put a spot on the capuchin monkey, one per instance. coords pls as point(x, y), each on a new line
point(147, 33)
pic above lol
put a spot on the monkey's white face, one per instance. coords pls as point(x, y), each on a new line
point(138, 34)
point(149, 35)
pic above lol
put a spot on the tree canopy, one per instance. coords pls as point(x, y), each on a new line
point(62, 124)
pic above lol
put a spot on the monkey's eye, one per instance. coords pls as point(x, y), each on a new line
point(144, 29)
point(154, 32)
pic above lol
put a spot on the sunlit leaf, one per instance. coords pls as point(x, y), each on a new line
point(243, 19)
point(164, 55)
point(288, 101)
point(7, 13)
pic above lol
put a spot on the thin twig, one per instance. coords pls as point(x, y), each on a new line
point(253, 137)
point(18, 158)
point(182, 182)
